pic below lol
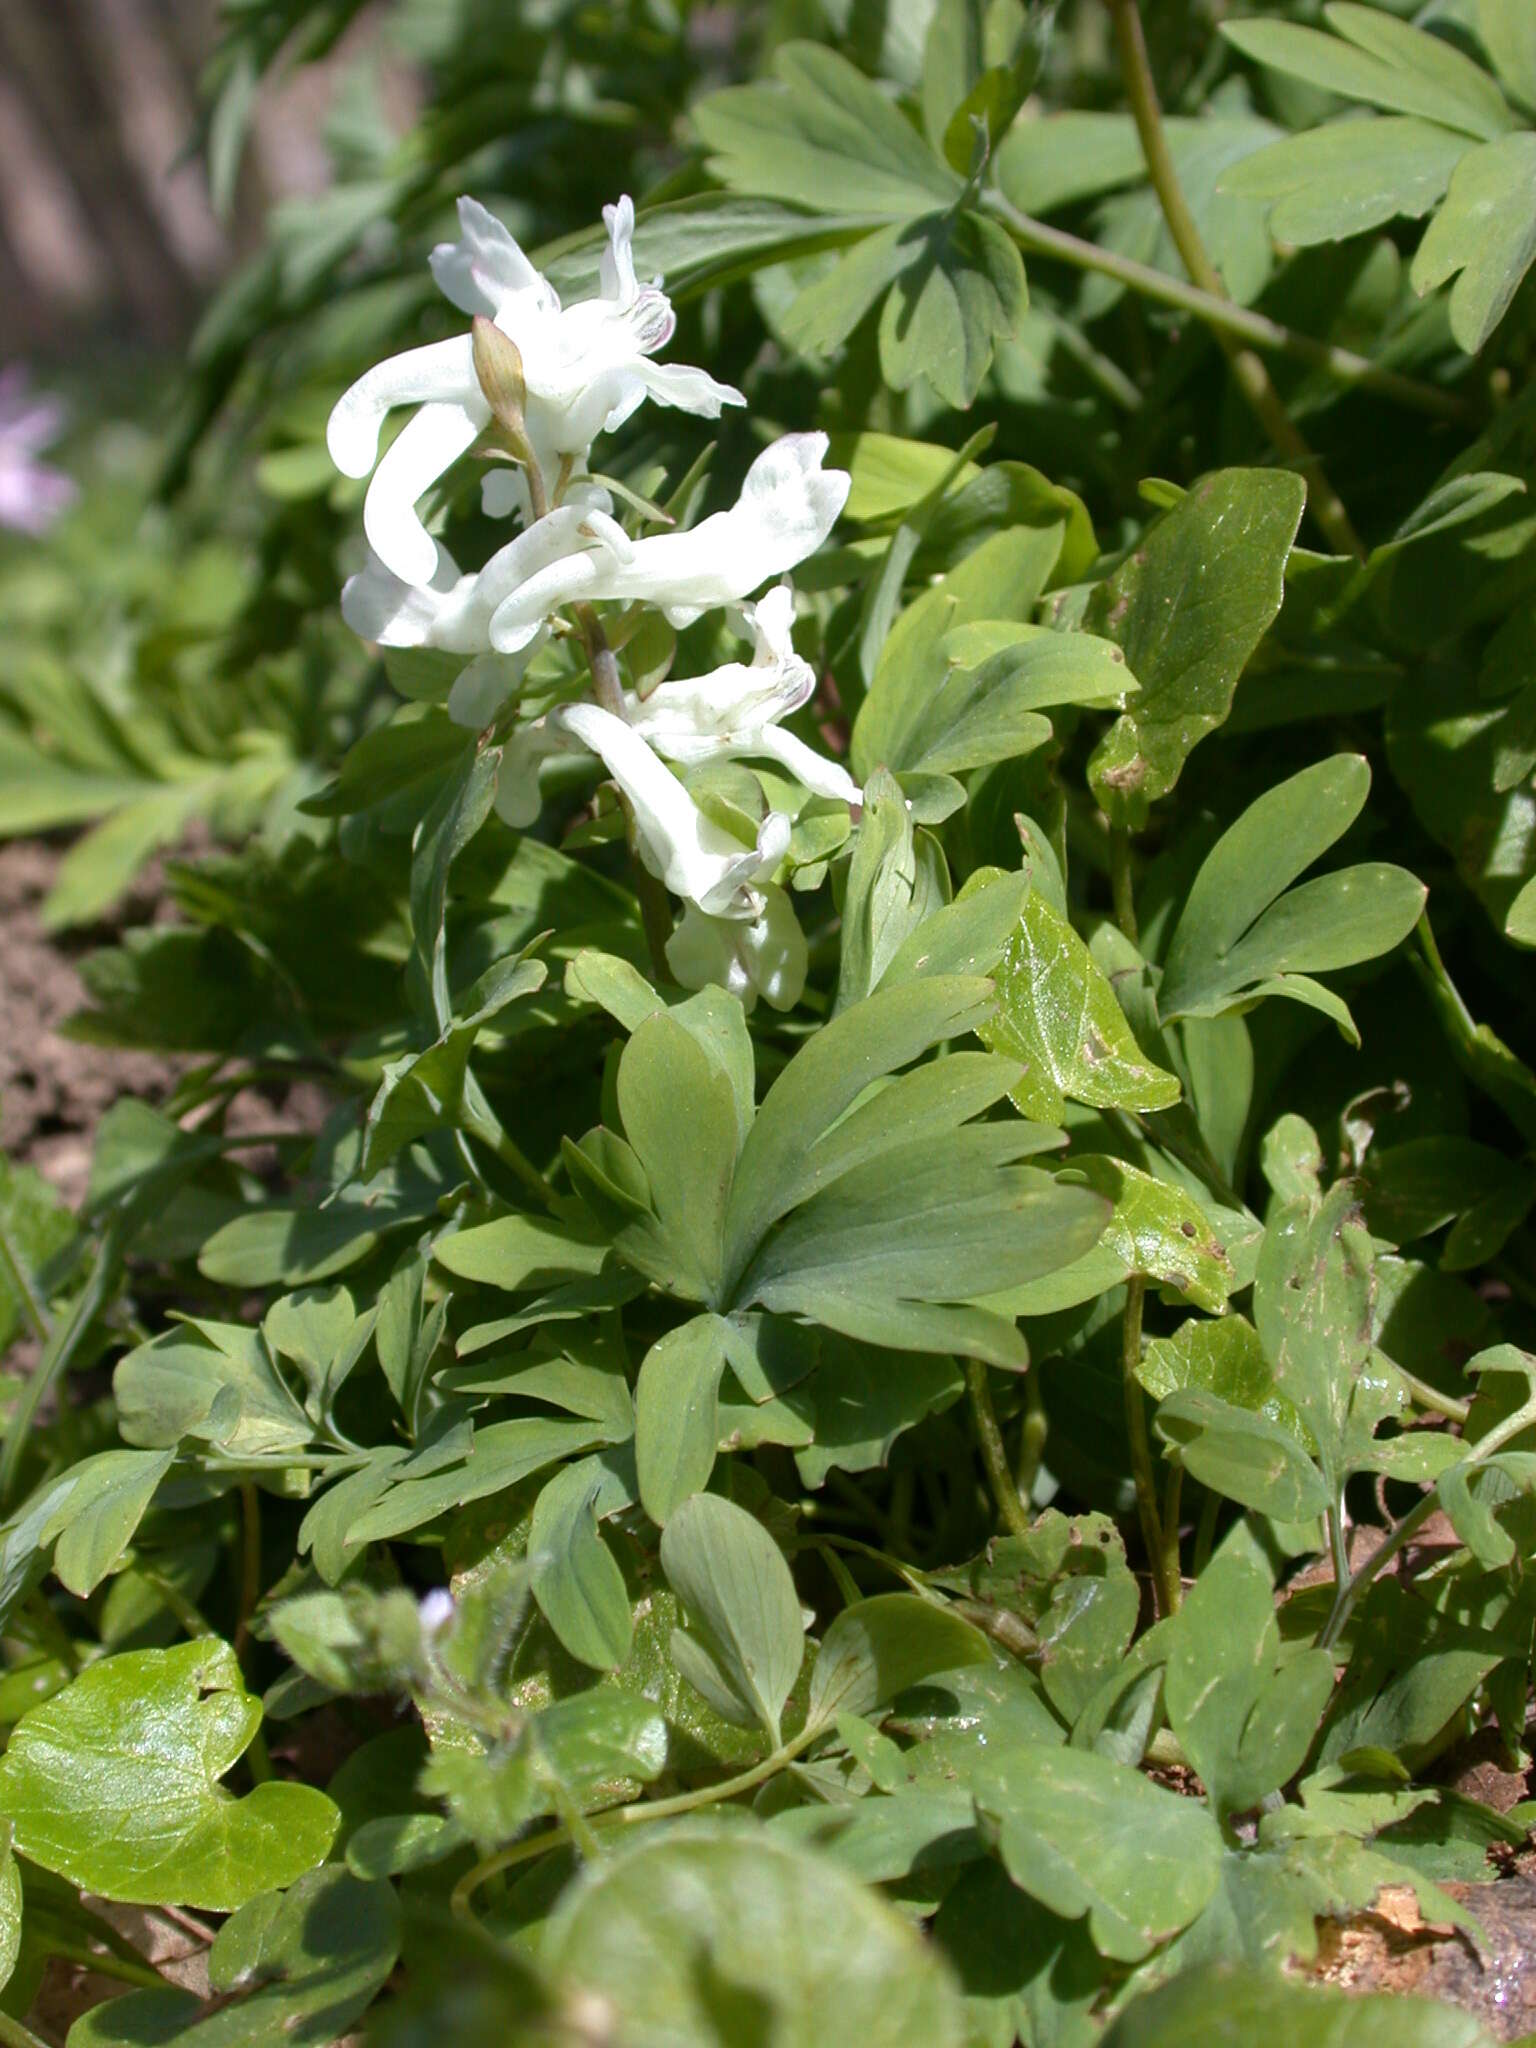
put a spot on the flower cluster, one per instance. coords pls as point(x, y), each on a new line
point(534, 383)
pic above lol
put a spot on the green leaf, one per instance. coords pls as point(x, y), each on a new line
point(888, 1030)
point(677, 1415)
point(1087, 1836)
point(1158, 1230)
point(1239, 936)
point(1312, 1303)
point(1384, 62)
point(665, 1075)
point(517, 1252)
point(424, 1091)
point(108, 1497)
point(890, 893)
point(879, 1647)
point(1230, 2002)
point(1240, 1453)
point(1507, 31)
point(1222, 1357)
point(961, 289)
point(10, 1907)
point(501, 1454)
point(1189, 606)
point(1245, 1719)
point(1028, 1975)
point(206, 1379)
point(573, 1574)
point(745, 1938)
point(460, 810)
point(821, 137)
point(934, 1220)
point(745, 1642)
point(1058, 1014)
point(34, 1224)
point(113, 1783)
point(1486, 230)
point(302, 1967)
point(982, 711)
point(1349, 176)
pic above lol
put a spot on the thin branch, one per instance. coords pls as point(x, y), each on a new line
point(1247, 366)
point(1358, 372)
point(994, 1456)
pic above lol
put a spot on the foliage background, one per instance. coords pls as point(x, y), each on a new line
point(292, 1384)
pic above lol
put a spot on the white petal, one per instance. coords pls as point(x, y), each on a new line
point(518, 796)
point(688, 389)
point(485, 268)
point(765, 955)
point(445, 370)
point(480, 690)
point(504, 493)
point(787, 507)
point(435, 439)
point(695, 857)
point(378, 606)
point(811, 770)
point(617, 268)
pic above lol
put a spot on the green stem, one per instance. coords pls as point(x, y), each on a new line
point(629, 1816)
point(1426, 1396)
point(1248, 368)
point(482, 1122)
point(105, 1964)
point(58, 1355)
point(14, 2035)
point(1173, 1577)
point(1142, 1471)
point(1032, 1439)
point(1036, 238)
point(21, 1281)
point(1350, 1588)
point(1120, 881)
point(250, 1562)
point(1205, 1532)
point(1012, 1512)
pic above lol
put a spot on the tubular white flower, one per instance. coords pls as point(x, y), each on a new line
point(761, 956)
point(787, 507)
point(453, 611)
point(734, 710)
point(585, 367)
point(696, 858)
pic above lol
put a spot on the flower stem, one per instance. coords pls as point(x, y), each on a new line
point(250, 1562)
point(1036, 238)
point(628, 1816)
point(14, 2035)
point(1247, 366)
point(1350, 1588)
point(1012, 1512)
point(1173, 1577)
point(1142, 1471)
point(1032, 1439)
point(1120, 881)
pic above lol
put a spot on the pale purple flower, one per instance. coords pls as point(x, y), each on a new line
point(32, 494)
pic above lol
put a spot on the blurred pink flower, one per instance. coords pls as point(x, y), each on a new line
point(32, 494)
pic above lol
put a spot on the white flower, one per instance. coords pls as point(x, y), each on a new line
point(586, 368)
point(735, 710)
point(787, 507)
point(436, 1610)
point(760, 956)
point(696, 858)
